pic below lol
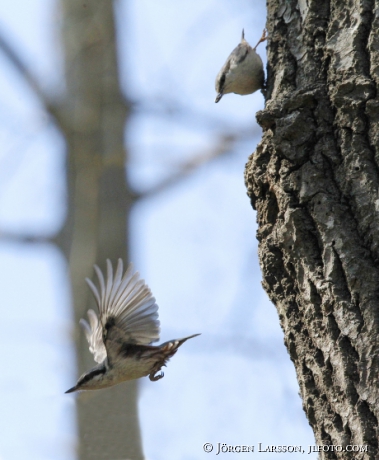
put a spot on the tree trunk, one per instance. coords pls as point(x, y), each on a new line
point(314, 182)
point(93, 118)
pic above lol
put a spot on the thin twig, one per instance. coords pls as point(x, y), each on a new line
point(223, 147)
point(17, 62)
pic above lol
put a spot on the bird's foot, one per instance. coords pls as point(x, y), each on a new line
point(262, 39)
point(156, 377)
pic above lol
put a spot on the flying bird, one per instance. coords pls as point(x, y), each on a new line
point(120, 339)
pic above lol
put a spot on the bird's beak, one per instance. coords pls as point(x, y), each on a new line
point(218, 97)
point(71, 390)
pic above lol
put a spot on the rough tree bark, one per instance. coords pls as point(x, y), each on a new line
point(314, 180)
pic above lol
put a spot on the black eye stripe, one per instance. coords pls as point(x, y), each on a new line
point(222, 81)
point(242, 57)
point(92, 374)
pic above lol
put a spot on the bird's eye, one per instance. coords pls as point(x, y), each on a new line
point(91, 375)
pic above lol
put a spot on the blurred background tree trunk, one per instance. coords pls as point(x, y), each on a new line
point(93, 118)
point(314, 180)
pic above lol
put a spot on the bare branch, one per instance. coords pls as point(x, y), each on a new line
point(223, 147)
point(26, 73)
point(165, 106)
point(10, 237)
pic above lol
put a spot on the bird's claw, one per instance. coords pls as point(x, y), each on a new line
point(262, 39)
point(154, 378)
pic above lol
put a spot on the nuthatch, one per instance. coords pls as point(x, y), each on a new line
point(120, 339)
point(242, 72)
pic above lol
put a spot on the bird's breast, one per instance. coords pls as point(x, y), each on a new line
point(133, 367)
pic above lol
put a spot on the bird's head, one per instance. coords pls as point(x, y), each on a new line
point(91, 380)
